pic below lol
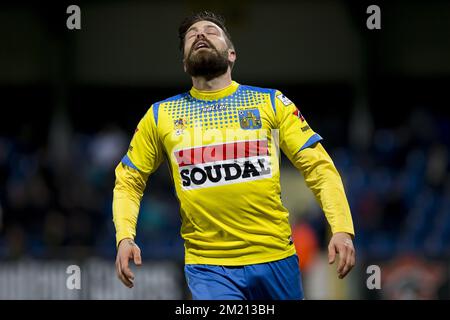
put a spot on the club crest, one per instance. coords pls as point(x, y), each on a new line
point(179, 126)
point(250, 119)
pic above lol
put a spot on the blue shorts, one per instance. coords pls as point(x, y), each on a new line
point(277, 280)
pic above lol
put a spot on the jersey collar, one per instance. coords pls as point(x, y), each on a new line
point(216, 94)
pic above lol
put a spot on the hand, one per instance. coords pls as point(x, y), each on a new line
point(127, 250)
point(341, 244)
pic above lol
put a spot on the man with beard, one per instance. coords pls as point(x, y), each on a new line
point(220, 140)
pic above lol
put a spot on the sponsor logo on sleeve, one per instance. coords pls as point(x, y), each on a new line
point(284, 99)
point(306, 128)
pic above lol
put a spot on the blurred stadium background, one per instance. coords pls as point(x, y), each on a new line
point(70, 101)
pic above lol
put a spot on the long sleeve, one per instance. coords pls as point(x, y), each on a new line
point(128, 191)
point(144, 156)
point(322, 177)
point(303, 148)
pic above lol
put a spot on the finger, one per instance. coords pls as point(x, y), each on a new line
point(353, 257)
point(118, 271)
point(126, 281)
point(342, 251)
point(348, 264)
point(137, 256)
point(331, 254)
point(120, 275)
point(126, 271)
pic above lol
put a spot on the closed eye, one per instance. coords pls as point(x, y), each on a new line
point(211, 30)
point(190, 35)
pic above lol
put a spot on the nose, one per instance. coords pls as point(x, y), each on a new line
point(200, 34)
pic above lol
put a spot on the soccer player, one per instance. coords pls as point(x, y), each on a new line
point(220, 140)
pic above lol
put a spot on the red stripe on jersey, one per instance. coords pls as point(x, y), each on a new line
point(299, 115)
point(221, 152)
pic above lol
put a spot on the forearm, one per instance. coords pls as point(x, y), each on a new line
point(127, 195)
point(326, 184)
point(125, 213)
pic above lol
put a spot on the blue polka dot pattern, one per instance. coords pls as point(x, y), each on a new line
point(213, 114)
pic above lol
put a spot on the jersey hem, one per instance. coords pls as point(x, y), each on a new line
point(240, 261)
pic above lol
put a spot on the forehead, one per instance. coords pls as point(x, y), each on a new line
point(199, 25)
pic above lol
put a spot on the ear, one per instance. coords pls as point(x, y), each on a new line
point(232, 55)
point(184, 65)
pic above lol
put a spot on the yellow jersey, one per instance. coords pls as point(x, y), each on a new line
point(222, 148)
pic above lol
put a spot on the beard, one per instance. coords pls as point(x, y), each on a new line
point(208, 63)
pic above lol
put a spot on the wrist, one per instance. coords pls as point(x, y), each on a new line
point(130, 240)
point(347, 233)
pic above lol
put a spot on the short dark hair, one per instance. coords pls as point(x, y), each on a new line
point(201, 16)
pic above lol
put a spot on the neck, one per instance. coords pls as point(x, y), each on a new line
point(220, 82)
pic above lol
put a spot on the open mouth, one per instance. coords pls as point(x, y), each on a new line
point(201, 45)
